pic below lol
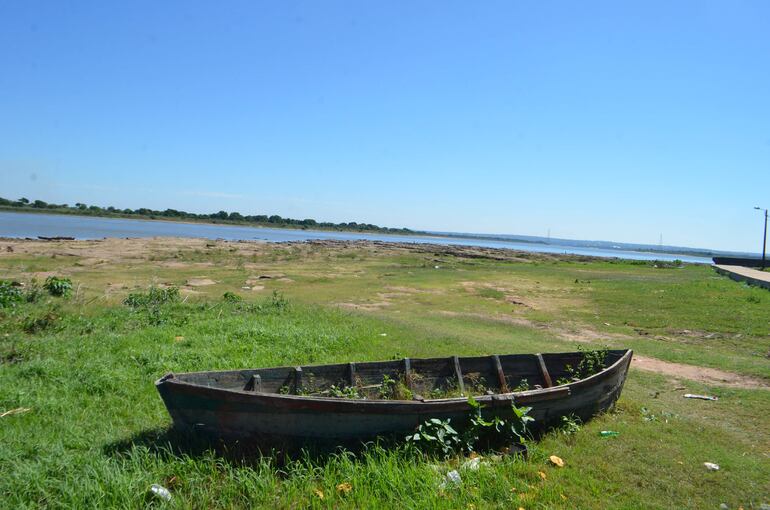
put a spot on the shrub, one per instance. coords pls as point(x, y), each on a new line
point(58, 286)
point(230, 297)
point(277, 301)
point(570, 425)
point(10, 294)
point(33, 293)
point(33, 324)
point(435, 438)
point(153, 297)
point(485, 433)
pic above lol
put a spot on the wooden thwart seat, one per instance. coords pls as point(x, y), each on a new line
point(498, 367)
point(547, 383)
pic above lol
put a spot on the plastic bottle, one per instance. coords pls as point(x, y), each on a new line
point(609, 433)
point(161, 491)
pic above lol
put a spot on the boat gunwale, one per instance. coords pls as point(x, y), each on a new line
point(529, 395)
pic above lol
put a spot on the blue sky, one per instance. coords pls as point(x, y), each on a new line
point(597, 120)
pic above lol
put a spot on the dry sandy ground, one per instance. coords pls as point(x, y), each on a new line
point(705, 375)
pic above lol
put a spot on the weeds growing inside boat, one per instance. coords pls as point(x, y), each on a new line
point(344, 392)
point(522, 386)
point(592, 362)
point(394, 389)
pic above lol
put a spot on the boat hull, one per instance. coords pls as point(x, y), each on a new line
point(267, 418)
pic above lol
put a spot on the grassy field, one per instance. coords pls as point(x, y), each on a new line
point(90, 430)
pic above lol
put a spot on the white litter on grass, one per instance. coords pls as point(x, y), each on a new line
point(160, 491)
point(701, 397)
point(383, 334)
point(452, 480)
point(473, 464)
point(711, 466)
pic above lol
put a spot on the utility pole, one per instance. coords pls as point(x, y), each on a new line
point(764, 239)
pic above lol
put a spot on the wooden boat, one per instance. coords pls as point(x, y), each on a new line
point(272, 405)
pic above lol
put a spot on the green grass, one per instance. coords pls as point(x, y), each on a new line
point(97, 435)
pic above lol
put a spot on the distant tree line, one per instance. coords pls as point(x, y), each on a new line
point(217, 217)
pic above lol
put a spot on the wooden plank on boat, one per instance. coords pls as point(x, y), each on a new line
point(542, 395)
point(500, 373)
point(254, 383)
point(544, 370)
point(459, 374)
point(297, 380)
point(408, 373)
point(352, 374)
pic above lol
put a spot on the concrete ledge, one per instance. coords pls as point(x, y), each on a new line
point(745, 274)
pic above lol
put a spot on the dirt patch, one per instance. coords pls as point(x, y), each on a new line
point(392, 295)
point(90, 262)
point(584, 335)
point(403, 290)
point(115, 287)
point(703, 375)
point(200, 282)
point(366, 307)
point(116, 250)
point(506, 319)
point(538, 295)
point(175, 264)
point(270, 276)
point(42, 275)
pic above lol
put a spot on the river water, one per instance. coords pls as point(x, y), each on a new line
point(32, 225)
